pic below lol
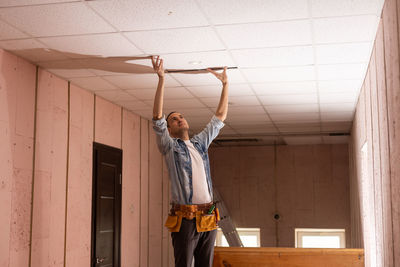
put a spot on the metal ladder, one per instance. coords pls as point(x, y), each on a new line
point(226, 223)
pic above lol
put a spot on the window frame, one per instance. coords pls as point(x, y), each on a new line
point(301, 232)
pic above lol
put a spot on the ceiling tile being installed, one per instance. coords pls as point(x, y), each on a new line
point(299, 63)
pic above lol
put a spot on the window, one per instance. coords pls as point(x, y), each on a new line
point(320, 238)
point(250, 237)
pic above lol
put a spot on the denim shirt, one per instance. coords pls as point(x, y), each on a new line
point(178, 158)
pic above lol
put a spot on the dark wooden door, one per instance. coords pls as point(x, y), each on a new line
point(106, 209)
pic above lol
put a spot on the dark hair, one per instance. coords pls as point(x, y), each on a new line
point(169, 115)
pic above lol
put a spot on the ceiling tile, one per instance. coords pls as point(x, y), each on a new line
point(92, 83)
point(92, 45)
point(299, 127)
point(338, 98)
point(299, 116)
point(345, 29)
point(9, 32)
point(303, 140)
point(189, 112)
point(197, 60)
point(13, 3)
point(174, 104)
point(337, 116)
point(176, 40)
point(31, 50)
point(328, 8)
point(227, 131)
point(143, 94)
point(280, 74)
point(240, 119)
point(335, 139)
point(343, 53)
point(116, 95)
point(273, 57)
point(269, 130)
point(139, 81)
point(129, 15)
point(68, 73)
point(272, 34)
point(187, 79)
point(233, 101)
point(340, 86)
point(245, 110)
point(281, 109)
point(346, 107)
point(145, 113)
point(61, 19)
point(342, 71)
point(283, 88)
point(289, 99)
point(237, 11)
point(136, 105)
point(169, 93)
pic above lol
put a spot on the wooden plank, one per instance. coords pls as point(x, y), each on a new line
point(280, 257)
point(130, 241)
point(48, 226)
point(80, 162)
point(384, 148)
point(107, 123)
point(155, 202)
point(17, 108)
point(144, 192)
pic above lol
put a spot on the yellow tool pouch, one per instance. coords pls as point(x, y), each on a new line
point(206, 222)
point(173, 222)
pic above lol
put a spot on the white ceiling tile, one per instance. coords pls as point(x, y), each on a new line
point(269, 130)
point(9, 32)
point(280, 74)
point(299, 127)
point(188, 79)
point(272, 34)
point(342, 107)
point(227, 131)
point(60, 19)
point(340, 86)
point(338, 98)
point(272, 57)
point(132, 15)
point(70, 73)
point(299, 116)
point(215, 90)
point(344, 139)
point(176, 104)
point(343, 53)
point(139, 81)
point(92, 83)
point(245, 110)
point(303, 140)
point(240, 119)
point(198, 121)
point(176, 92)
point(243, 101)
point(189, 112)
point(342, 71)
point(144, 113)
point(116, 95)
point(31, 50)
point(176, 40)
point(283, 88)
point(288, 99)
point(336, 126)
point(337, 116)
point(92, 45)
point(345, 29)
point(13, 3)
point(328, 8)
point(292, 108)
point(197, 60)
point(136, 105)
point(143, 94)
point(237, 11)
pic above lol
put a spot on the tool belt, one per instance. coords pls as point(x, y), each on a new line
point(206, 215)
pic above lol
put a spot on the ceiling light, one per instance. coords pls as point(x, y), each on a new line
point(195, 62)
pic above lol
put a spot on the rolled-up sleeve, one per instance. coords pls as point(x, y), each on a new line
point(209, 133)
point(164, 140)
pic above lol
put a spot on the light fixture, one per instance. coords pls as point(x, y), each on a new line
point(195, 62)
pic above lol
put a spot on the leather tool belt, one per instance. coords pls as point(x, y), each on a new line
point(207, 216)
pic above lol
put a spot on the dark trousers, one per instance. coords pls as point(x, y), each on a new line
point(188, 243)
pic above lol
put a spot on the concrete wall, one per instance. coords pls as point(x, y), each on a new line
point(47, 128)
point(375, 150)
point(308, 186)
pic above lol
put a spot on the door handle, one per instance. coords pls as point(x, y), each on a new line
point(100, 260)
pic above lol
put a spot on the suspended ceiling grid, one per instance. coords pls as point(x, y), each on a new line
point(300, 63)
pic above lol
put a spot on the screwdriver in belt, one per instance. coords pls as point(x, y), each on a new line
point(211, 209)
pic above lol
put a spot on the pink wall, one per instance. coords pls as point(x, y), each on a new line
point(307, 185)
point(375, 187)
point(46, 157)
